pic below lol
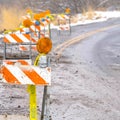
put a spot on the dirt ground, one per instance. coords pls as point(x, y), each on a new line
point(78, 91)
point(13, 117)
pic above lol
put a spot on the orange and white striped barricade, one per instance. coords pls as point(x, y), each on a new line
point(64, 23)
point(21, 72)
point(27, 47)
point(38, 31)
point(63, 17)
point(34, 39)
point(35, 28)
point(64, 27)
point(18, 38)
point(14, 40)
point(25, 74)
point(45, 27)
point(45, 21)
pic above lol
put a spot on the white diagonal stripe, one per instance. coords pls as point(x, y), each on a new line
point(22, 37)
point(17, 72)
point(11, 39)
point(43, 73)
point(34, 28)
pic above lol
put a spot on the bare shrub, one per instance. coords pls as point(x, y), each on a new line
point(89, 13)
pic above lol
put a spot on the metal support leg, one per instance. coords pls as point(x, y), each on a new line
point(30, 46)
point(59, 26)
point(45, 114)
point(49, 30)
point(70, 25)
point(4, 51)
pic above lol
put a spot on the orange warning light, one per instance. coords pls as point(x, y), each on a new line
point(67, 10)
point(44, 45)
point(37, 16)
point(27, 23)
point(47, 12)
point(42, 15)
point(29, 10)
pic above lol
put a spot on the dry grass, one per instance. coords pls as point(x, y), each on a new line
point(89, 13)
point(73, 19)
point(10, 18)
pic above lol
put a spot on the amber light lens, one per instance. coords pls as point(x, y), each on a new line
point(44, 45)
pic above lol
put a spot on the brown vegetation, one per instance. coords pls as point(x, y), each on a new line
point(10, 18)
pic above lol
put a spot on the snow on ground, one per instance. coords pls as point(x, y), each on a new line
point(99, 17)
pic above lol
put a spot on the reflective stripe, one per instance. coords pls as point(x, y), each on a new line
point(26, 74)
point(8, 39)
point(22, 62)
point(17, 38)
point(27, 47)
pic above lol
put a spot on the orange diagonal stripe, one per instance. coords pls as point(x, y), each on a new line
point(33, 40)
point(31, 30)
point(34, 48)
point(9, 62)
point(9, 77)
point(16, 38)
point(23, 62)
point(29, 37)
point(34, 77)
point(6, 40)
point(38, 27)
point(23, 48)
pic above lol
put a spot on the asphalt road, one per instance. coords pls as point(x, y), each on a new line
point(85, 72)
point(102, 51)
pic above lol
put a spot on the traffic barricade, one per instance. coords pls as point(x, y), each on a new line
point(64, 24)
point(22, 72)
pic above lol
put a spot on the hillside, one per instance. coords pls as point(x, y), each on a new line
point(59, 5)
